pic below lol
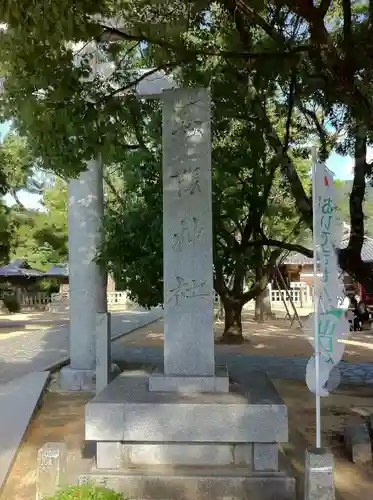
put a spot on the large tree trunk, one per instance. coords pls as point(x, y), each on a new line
point(220, 314)
point(263, 309)
point(233, 321)
point(259, 309)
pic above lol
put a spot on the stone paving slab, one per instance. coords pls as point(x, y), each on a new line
point(18, 400)
point(292, 368)
point(37, 350)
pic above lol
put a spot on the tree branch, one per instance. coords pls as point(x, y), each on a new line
point(292, 247)
point(243, 7)
point(112, 188)
point(191, 53)
point(324, 7)
point(320, 130)
point(228, 237)
point(347, 26)
point(314, 16)
point(14, 194)
point(290, 111)
point(259, 287)
point(136, 81)
point(357, 233)
point(350, 258)
point(219, 283)
point(288, 168)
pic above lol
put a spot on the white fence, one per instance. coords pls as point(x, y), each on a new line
point(27, 300)
point(301, 296)
point(299, 293)
point(117, 298)
point(36, 300)
point(60, 301)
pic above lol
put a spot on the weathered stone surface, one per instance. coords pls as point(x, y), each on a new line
point(111, 455)
point(87, 283)
point(51, 469)
point(197, 484)
point(18, 401)
point(127, 411)
point(81, 380)
point(265, 457)
point(71, 379)
point(319, 480)
point(192, 384)
point(103, 350)
point(357, 443)
point(187, 234)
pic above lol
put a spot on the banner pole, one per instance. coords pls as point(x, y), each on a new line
point(316, 299)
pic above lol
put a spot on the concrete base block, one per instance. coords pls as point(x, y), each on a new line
point(319, 480)
point(72, 379)
point(195, 484)
point(115, 371)
point(357, 443)
point(159, 382)
point(265, 457)
point(127, 411)
point(111, 455)
point(192, 446)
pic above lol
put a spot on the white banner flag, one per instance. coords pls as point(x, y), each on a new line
point(332, 324)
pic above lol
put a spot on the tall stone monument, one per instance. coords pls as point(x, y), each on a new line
point(182, 433)
point(187, 234)
point(87, 282)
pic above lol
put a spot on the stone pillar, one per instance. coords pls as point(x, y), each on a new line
point(103, 351)
point(51, 469)
point(87, 283)
point(318, 475)
point(187, 234)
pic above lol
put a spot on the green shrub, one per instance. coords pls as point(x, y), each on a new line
point(86, 492)
point(11, 303)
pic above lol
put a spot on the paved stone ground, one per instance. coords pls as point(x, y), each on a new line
point(34, 350)
point(274, 347)
point(292, 368)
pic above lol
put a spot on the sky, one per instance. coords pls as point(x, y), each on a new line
point(340, 165)
point(29, 200)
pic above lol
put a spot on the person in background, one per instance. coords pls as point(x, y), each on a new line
point(345, 304)
point(353, 302)
point(362, 312)
point(353, 314)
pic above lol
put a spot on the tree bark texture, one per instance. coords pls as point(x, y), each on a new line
point(233, 321)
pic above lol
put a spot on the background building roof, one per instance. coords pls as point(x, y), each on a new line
point(19, 268)
point(296, 258)
point(58, 270)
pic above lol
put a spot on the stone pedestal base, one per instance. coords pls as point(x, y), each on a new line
point(194, 483)
point(196, 446)
point(72, 379)
point(159, 382)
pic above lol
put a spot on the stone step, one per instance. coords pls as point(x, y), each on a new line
point(190, 470)
point(261, 457)
point(195, 483)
